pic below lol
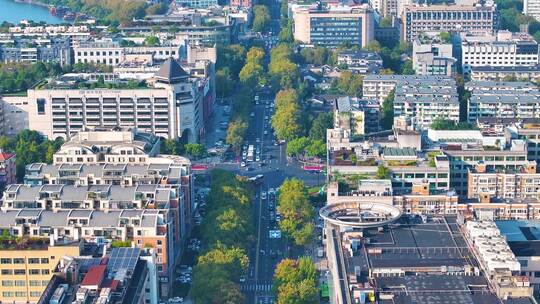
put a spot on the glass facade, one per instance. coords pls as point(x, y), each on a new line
point(336, 31)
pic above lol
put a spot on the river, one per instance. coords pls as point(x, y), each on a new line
point(14, 12)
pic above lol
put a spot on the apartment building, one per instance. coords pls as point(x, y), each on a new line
point(358, 115)
point(28, 265)
point(379, 86)
point(384, 7)
point(527, 130)
point(502, 100)
point(462, 160)
point(360, 62)
point(171, 107)
point(334, 25)
point(42, 49)
point(142, 228)
point(419, 18)
point(503, 49)
point(432, 56)
point(108, 146)
point(532, 8)
point(520, 183)
point(422, 104)
point(488, 73)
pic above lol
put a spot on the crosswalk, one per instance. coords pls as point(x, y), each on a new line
point(256, 287)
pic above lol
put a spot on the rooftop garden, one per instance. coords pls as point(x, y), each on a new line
point(8, 242)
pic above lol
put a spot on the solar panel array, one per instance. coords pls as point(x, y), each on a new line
point(123, 258)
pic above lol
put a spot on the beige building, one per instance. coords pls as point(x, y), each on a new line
point(520, 183)
point(334, 25)
point(27, 265)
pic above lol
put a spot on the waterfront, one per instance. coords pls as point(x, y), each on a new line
point(14, 12)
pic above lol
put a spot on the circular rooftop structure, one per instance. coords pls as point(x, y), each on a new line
point(360, 214)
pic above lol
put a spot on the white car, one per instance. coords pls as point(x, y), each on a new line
point(263, 195)
point(252, 114)
point(242, 164)
point(258, 158)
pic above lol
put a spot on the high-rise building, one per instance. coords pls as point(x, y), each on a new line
point(433, 56)
point(334, 25)
point(417, 19)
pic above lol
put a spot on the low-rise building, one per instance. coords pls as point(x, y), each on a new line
point(334, 25)
point(361, 62)
point(361, 116)
point(506, 73)
point(502, 100)
point(521, 183)
point(423, 103)
point(108, 146)
point(380, 86)
point(43, 49)
point(132, 227)
point(505, 49)
point(432, 56)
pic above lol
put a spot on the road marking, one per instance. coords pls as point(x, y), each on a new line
point(256, 287)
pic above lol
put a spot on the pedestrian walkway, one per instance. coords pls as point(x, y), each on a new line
point(256, 287)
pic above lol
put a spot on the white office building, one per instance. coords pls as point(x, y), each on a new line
point(505, 49)
point(171, 107)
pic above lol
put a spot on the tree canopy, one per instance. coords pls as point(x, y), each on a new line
point(295, 281)
point(298, 214)
point(261, 18)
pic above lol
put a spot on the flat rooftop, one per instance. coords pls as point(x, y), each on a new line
point(415, 245)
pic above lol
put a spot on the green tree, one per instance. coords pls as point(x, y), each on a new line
point(295, 281)
point(286, 34)
point(316, 148)
point(387, 111)
point(297, 212)
point(445, 37)
point(235, 134)
point(286, 122)
point(297, 146)
point(195, 150)
point(151, 41)
point(224, 82)
point(261, 19)
point(252, 74)
point(320, 124)
point(170, 146)
point(349, 84)
point(383, 172)
point(407, 68)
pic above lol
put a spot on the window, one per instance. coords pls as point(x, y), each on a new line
point(44, 271)
point(20, 283)
point(44, 261)
point(34, 283)
point(20, 294)
point(7, 272)
point(159, 242)
point(33, 271)
point(41, 106)
point(44, 282)
point(35, 294)
point(33, 260)
point(523, 263)
point(19, 271)
point(7, 294)
point(5, 261)
point(18, 261)
point(7, 283)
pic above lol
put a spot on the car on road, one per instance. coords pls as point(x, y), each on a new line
point(258, 158)
point(265, 132)
point(243, 164)
point(263, 195)
point(176, 300)
point(252, 114)
point(242, 279)
point(257, 140)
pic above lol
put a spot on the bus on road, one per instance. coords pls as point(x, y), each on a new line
point(250, 153)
